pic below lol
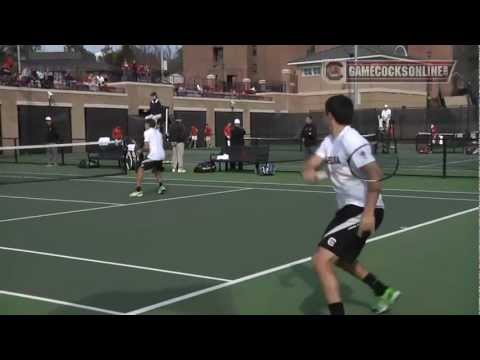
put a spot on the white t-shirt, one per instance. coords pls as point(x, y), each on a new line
point(386, 115)
point(154, 139)
point(335, 151)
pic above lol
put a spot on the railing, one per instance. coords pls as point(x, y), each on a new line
point(63, 85)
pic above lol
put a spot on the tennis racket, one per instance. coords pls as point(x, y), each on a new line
point(388, 162)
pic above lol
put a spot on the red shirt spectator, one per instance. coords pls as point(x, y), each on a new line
point(117, 133)
point(8, 64)
point(227, 130)
point(208, 131)
point(194, 131)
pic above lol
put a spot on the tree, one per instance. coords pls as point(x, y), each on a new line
point(125, 53)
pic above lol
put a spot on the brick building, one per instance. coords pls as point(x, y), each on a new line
point(232, 63)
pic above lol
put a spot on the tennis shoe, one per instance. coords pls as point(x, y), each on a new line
point(389, 297)
point(161, 190)
point(136, 194)
point(182, 171)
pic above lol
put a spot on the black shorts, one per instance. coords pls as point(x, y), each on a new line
point(341, 237)
point(154, 165)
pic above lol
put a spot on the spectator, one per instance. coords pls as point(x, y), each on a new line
point(309, 137)
point(386, 116)
point(238, 141)
point(51, 139)
point(7, 66)
point(178, 136)
point(117, 133)
point(208, 136)
point(155, 111)
point(227, 132)
point(194, 135)
point(147, 73)
point(135, 71)
point(125, 69)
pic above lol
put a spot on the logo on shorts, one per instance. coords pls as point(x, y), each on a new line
point(331, 242)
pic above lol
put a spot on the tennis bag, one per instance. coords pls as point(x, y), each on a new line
point(90, 163)
point(205, 167)
point(267, 169)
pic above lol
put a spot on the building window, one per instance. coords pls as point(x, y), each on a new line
point(254, 50)
point(217, 55)
point(307, 72)
point(312, 71)
point(254, 68)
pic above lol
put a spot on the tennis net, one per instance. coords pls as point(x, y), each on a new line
point(34, 163)
point(448, 155)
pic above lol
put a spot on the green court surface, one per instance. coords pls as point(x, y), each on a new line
point(226, 243)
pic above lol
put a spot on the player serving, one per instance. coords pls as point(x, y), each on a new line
point(153, 147)
point(360, 205)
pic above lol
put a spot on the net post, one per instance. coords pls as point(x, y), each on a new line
point(62, 155)
point(444, 168)
point(15, 152)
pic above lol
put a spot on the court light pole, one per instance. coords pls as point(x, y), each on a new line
point(356, 101)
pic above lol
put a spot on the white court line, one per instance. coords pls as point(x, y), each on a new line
point(59, 302)
point(261, 183)
point(288, 190)
point(281, 267)
point(448, 162)
point(306, 185)
point(23, 177)
point(118, 206)
point(113, 263)
point(59, 200)
point(383, 195)
point(153, 183)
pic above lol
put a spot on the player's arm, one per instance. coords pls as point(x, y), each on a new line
point(146, 143)
point(374, 188)
point(312, 165)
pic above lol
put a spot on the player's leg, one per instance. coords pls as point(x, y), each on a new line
point(358, 270)
point(180, 152)
point(174, 157)
point(386, 295)
point(157, 171)
point(323, 261)
point(139, 179)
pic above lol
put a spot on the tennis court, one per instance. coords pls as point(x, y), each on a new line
point(224, 243)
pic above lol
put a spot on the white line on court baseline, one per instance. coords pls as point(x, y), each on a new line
point(152, 183)
point(281, 267)
point(59, 200)
point(113, 263)
point(59, 302)
point(261, 183)
point(384, 195)
point(448, 162)
point(120, 205)
point(306, 185)
point(289, 190)
point(24, 177)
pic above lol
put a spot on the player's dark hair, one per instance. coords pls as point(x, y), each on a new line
point(341, 107)
point(151, 123)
